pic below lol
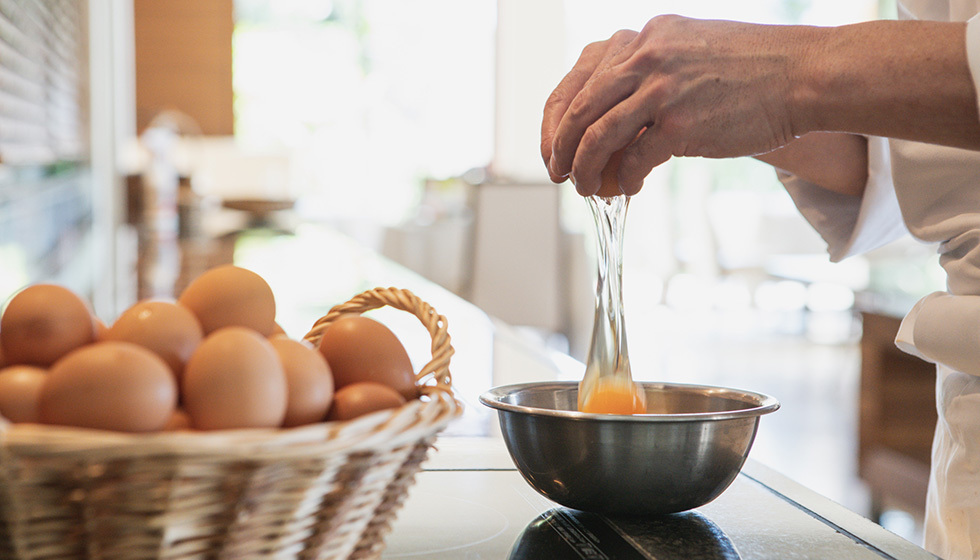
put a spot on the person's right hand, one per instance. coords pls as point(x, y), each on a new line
point(680, 87)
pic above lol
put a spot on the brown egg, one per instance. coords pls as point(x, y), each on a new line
point(609, 185)
point(109, 386)
point(361, 349)
point(20, 389)
point(235, 380)
point(362, 398)
point(179, 422)
point(42, 323)
point(100, 330)
point(231, 296)
point(167, 328)
point(309, 383)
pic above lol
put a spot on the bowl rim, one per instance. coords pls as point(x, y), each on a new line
point(759, 403)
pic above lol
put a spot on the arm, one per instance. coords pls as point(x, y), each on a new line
point(837, 162)
point(727, 89)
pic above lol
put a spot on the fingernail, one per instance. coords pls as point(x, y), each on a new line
point(552, 169)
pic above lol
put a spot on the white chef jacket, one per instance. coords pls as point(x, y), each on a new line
point(932, 192)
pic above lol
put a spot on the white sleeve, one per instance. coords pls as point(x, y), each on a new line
point(852, 225)
point(942, 328)
point(973, 50)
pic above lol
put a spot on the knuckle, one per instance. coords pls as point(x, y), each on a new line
point(556, 99)
point(623, 36)
point(592, 138)
point(577, 109)
point(594, 48)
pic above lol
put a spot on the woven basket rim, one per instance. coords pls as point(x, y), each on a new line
point(329, 489)
point(412, 421)
point(382, 429)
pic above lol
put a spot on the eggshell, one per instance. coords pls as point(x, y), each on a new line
point(20, 389)
point(609, 182)
point(358, 399)
point(309, 383)
point(360, 349)
point(235, 380)
point(167, 328)
point(179, 422)
point(42, 323)
point(227, 296)
point(110, 386)
point(100, 329)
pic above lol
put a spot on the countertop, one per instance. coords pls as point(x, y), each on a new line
point(470, 502)
point(460, 510)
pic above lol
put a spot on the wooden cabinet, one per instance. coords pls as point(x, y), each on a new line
point(183, 61)
point(897, 418)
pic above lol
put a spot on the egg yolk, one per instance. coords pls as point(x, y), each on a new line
point(615, 398)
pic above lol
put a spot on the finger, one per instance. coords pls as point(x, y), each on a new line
point(603, 90)
point(561, 98)
point(651, 149)
point(615, 130)
point(596, 163)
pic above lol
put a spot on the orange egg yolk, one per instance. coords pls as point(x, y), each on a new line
point(615, 398)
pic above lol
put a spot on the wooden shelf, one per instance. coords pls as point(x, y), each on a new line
point(897, 417)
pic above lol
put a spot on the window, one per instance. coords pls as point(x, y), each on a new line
point(371, 96)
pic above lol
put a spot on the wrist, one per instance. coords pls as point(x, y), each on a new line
point(896, 79)
point(808, 78)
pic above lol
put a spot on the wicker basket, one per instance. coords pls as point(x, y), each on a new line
point(327, 490)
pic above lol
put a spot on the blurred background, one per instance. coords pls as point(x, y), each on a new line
point(142, 141)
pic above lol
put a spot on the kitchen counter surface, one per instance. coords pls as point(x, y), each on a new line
point(494, 514)
point(469, 502)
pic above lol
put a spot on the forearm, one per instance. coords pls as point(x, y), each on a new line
point(897, 79)
point(835, 161)
point(684, 87)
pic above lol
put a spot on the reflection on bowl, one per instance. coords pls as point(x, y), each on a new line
point(682, 455)
point(567, 534)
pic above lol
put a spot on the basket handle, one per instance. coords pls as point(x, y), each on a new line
point(434, 375)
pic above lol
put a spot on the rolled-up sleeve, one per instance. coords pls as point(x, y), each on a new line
point(851, 225)
point(973, 51)
point(942, 328)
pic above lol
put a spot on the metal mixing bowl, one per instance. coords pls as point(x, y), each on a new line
point(680, 457)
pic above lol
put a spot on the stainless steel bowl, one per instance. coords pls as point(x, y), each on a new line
point(679, 458)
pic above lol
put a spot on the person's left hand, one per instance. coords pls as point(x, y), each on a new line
point(681, 87)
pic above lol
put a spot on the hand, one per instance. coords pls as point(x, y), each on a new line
point(680, 87)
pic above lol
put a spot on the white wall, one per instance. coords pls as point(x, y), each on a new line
point(531, 60)
point(112, 125)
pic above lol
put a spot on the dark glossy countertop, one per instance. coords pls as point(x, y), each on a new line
point(457, 510)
